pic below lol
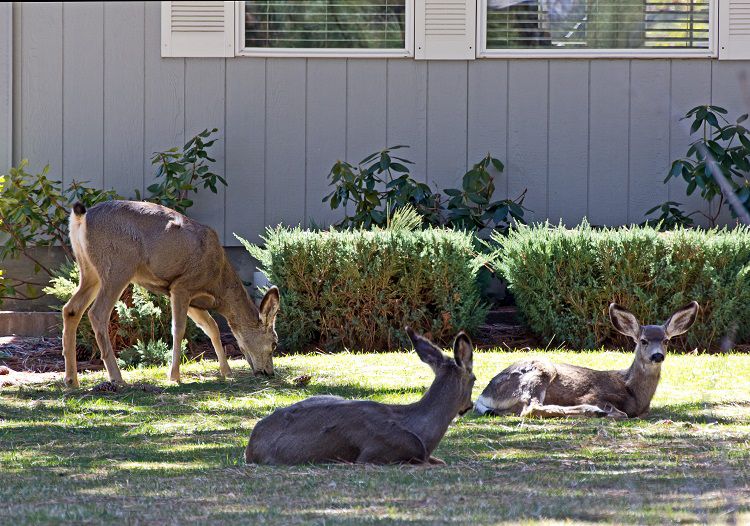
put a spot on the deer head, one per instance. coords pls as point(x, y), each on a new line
point(651, 340)
point(258, 340)
point(456, 371)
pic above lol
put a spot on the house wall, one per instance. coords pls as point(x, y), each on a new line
point(587, 138)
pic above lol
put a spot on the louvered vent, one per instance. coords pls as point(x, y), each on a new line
point(734, 29)
point(739, 18)
point(197, 29)
point(445, 29)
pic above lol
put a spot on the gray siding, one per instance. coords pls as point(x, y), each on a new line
point(587, 138)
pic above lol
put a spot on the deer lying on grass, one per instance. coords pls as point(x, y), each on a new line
point(541, 388)
point(332, 429)
point(121, 242)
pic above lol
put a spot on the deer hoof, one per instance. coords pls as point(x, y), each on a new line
point(72, 382)
point(436, 461)
point(225, 372)
point(174, 376)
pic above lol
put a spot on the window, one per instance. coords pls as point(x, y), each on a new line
point(597, 27)
point(457, 29)
point(326, 27)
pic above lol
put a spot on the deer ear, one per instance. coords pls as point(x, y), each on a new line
point(463, 351)
point(624, 321)
point(426, 350)
point(679, 322)
point(269, 306)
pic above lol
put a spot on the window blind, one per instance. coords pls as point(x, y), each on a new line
point(597, 24)
point(326, 24)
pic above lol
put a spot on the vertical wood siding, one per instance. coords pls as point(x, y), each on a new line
point(587, 138)
point(6, 85)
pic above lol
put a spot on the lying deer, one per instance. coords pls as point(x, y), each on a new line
point(332, 429)
point(121, 242)
point(541, 388)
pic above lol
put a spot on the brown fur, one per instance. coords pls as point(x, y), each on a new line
point(541, 388)
point(122, 242)
point(332, 429)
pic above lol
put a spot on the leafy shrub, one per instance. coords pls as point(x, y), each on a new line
point(717, 164)
point(179, 173)
point(34, 213)
point(152, 354)
point(358, 289)
point(563, 280)
point(381, 184)
point(138, 315)
point(34, 209)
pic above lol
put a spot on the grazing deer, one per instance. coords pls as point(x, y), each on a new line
point(121, 242)
point(541, 388)
point(332, 429)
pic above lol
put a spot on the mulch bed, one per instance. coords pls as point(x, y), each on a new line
point(44, 355)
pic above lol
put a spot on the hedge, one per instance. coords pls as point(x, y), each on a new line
point(563, 280)
point(357, 290)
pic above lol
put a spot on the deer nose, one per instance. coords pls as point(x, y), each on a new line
point(657, 357)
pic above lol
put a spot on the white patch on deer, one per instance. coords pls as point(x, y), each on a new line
point(486, 404)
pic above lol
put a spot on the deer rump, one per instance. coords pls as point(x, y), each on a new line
point(332, 429)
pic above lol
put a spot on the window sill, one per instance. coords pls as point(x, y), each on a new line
point(598, 53)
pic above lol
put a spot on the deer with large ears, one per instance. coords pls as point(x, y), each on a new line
point(121, 242)
point(332, 429)
point(541, 388)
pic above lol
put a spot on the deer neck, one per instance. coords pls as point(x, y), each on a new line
point(642, 380)
point(235, 303)
point(430, 417)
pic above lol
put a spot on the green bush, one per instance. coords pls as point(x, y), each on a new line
point(358, 289)
point(138, 315)
point(563, 280)
point(154, 353)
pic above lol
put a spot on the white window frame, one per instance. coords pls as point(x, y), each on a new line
point(710, 52)
point(242, 51)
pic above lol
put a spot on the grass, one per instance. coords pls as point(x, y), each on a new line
point(175, 457)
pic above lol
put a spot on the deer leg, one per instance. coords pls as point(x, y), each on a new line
point(99, 315)
point(180, 303)
point(561, 411)
point(208, 325)
point(516, 388)
point(73, 311)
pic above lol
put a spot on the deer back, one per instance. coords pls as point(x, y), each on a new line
point(155, 243)
point(332, 429)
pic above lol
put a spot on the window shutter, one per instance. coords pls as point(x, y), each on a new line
point(197, 29)
point(445, 29)
point(734, 29)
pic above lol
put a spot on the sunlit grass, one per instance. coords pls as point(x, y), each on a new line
point(175, 456)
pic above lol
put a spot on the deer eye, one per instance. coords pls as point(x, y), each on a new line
point(644, 341)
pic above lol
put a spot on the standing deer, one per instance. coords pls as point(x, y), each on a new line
point(121, 242)
point(541, 388)
point(332, 429)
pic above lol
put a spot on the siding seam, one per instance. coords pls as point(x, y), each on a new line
point(143, 129)
point(549, 96)
point(62, 95)
point(427, 126)
point(104, 92)
point(265, 141)
point(507, 128)
point(630, 118)
point(670, 108)
point(304, 206)
point(225, 152)
point(466, 167)
point(588, 141)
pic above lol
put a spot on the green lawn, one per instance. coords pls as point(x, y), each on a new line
point(175, 457)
